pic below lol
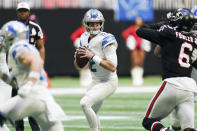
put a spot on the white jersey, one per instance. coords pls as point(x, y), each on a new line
point(19, 71)
point(5, 89)
point(97, 45)
point(3, 64)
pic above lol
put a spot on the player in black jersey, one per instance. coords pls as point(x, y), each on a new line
point(35, 38)
point(178, 56)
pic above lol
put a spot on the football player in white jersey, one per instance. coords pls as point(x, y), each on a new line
point(5, 89)
point(26, 68)
point(100, 48)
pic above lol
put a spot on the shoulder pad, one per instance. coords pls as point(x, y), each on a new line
point(108, 39)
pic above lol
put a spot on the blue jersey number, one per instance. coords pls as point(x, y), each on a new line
point(91, 63)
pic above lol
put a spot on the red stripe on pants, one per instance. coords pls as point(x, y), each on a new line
point(155, 98)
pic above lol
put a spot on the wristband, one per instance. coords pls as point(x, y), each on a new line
point(97, 59)
point(34, 74)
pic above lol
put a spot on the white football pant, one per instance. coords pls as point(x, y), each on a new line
point(40, 105)
point(169, 99)
point(93, 99)
point(5, 94)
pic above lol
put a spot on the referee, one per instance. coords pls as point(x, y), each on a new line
point(36, 39)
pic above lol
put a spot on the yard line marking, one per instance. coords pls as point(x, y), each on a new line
point(124, 89)
point(109, 127)
point(102, 127)
point(71, 118)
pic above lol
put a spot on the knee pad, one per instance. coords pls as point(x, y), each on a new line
point(147, 123)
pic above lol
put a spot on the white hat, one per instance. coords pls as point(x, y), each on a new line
point(23, 5)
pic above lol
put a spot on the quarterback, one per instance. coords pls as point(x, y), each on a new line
point(100, 48)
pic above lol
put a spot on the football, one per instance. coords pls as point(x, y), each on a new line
point(81, 62)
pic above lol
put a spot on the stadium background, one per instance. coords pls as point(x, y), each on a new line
point(124, 110)
point(59, 18)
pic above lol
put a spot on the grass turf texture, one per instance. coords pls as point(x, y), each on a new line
point(120, 112)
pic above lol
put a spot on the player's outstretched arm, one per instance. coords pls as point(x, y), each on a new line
point(148, 33)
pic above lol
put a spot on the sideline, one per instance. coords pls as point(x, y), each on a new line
point(125, 89)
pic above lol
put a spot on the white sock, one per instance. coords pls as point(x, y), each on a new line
point(137, 75)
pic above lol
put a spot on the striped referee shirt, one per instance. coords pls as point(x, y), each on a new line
point(35, 32)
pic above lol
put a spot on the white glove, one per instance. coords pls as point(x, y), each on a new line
point(25, 89)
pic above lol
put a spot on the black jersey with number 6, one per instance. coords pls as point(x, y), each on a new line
point(178, 49)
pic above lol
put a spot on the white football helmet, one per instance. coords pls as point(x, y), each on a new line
point(93, 15)
point(13, 31)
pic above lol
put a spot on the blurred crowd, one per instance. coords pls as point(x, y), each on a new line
point(102, 4)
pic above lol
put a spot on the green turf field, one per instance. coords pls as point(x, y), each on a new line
point(65, 82)
point(120, 112)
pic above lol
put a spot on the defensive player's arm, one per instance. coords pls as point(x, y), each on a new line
point(33, 61)
point(41, 48)
point(149, 34)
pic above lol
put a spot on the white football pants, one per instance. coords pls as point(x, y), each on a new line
point(40, 105)
point(169, 99)
point(5, 94)
point(93, 99)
